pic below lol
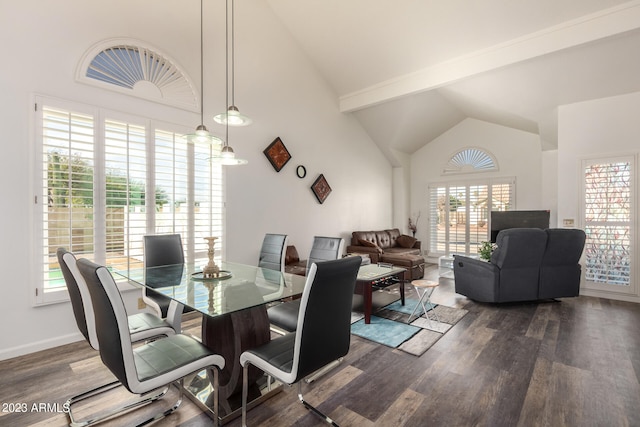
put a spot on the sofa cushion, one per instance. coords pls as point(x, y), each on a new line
point(399, 250)
point(394, 233)
point(369, 244)
point(359, 236)
point(383, 239)
point(405, 241)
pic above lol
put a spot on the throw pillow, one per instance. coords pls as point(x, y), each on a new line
point(406, 241)
point(369, 244)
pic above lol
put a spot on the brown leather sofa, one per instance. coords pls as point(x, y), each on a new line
point(383, 244)
point(392, 247)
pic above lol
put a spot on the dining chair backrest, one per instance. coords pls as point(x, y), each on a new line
point(112, 327)
point(324, 320)
point(79, 295)
point(163, 249)
point(325, 249)
point(273, 251)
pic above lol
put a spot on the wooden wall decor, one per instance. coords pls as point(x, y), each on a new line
point(277, 154)
point(321, 188)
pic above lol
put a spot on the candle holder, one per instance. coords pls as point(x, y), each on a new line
point(211, 270)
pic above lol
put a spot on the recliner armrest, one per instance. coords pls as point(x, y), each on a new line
point(475, 278)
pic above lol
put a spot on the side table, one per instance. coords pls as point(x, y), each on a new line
point(427, 287)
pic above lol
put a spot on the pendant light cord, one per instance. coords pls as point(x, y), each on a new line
point(226, 76)
point(201, 63)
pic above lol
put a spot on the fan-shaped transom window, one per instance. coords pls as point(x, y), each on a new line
point(130, 67)
point(470, 160)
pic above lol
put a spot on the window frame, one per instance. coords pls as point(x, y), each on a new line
point(41, 296)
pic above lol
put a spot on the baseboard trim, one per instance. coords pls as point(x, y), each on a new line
point(21, 350)
point(609, 295)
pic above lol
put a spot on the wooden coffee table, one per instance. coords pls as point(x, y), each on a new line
point(377, 276)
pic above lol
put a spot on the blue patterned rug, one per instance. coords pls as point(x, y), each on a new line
point(389, 326)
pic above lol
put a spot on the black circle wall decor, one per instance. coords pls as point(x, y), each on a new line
point(301, 171)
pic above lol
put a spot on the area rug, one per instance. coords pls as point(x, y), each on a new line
point(389, 326)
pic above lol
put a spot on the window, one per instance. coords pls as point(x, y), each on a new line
point(107, 180)
point(129, 67)
point(459, 214)
point(608, 212)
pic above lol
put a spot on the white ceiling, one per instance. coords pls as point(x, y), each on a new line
point(409, 70)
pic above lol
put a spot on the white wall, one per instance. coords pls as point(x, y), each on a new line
point(275, 85)
point(595, 129)
point(518, 155)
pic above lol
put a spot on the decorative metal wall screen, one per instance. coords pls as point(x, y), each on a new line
point(608, 222)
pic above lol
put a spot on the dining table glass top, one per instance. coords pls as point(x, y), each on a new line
point(238, 286)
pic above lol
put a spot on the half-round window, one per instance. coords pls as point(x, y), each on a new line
point(470, 160)
point(128, 66)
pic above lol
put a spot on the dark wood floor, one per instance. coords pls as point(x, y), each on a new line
point(575, 362)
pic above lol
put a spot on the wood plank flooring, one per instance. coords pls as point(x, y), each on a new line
point(574, 362)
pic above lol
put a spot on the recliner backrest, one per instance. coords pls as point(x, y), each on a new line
point(273, 252)
point(323, 331)
point(564, 246)
point(519, 248)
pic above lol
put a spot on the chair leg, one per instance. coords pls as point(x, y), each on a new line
point(418, 304)
point(245, 391)
point(314, 409)
point(319, 373)
point(119, 410)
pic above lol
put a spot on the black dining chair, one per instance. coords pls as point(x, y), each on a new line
point(273, 251)
point(150, 366)
point(285, 316)
point(160, 250)
point(322, 336)
point(142, 327)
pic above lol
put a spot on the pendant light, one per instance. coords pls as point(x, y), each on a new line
point(227, 155)
point(232, 116)
point(201, 134)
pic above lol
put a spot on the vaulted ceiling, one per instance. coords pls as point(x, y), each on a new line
point(409, 70)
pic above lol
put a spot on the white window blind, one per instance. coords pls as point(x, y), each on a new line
point(106, 181)
point(459, 219)
point(608, 219)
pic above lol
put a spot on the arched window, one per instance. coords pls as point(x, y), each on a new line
point(470, 160)
point(130, 67)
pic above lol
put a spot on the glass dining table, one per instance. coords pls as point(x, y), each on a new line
point(234, 308)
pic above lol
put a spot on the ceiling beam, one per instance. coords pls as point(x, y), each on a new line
point(586, 29)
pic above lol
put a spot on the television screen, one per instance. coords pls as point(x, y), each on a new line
point(501, 220)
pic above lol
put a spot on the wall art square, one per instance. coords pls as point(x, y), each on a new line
point(277, 154)
point(321, 188)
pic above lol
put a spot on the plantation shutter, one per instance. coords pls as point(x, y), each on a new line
point(125, 161)
point(66, 191)
point(459, 213)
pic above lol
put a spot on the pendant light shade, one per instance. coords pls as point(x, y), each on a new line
point(232, 117)
point(201, 134)
point(228, 157)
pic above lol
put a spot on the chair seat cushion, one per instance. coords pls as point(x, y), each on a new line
point(277, 353)
point(143, 326)
point(168, 354)
point(285, 315)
